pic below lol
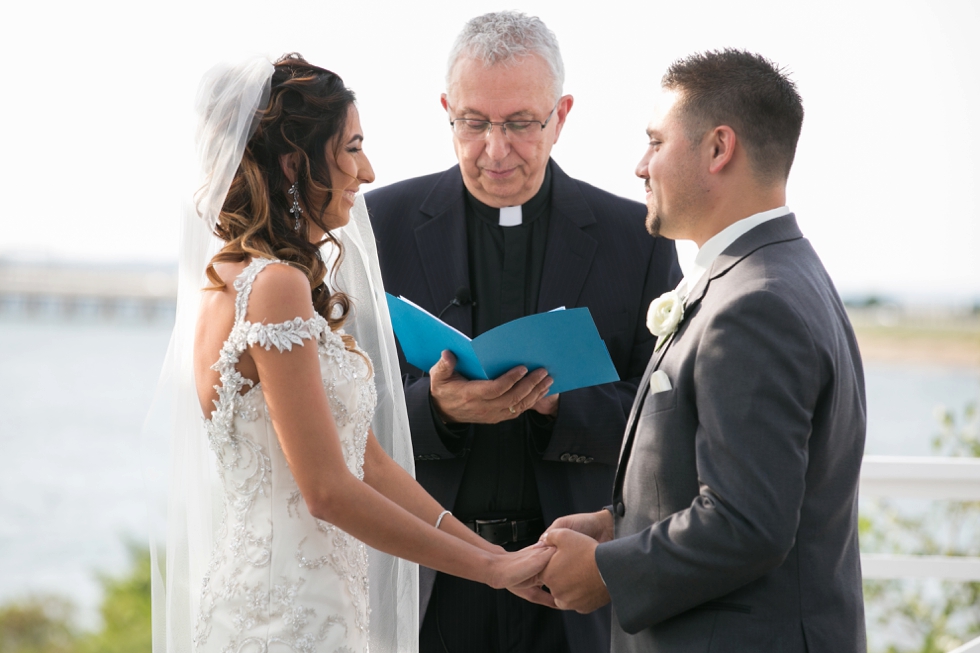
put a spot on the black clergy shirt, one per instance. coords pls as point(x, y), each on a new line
point(505, 267)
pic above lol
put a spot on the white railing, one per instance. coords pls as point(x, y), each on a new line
point(922, 477)
point(955, 479)
point(973, 646)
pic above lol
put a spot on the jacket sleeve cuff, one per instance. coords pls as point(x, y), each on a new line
point(453, 436)
point(540, 428)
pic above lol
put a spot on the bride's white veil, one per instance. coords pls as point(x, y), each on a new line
point(185, 508)
point(393, 581)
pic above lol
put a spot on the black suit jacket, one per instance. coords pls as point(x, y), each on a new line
point(598, 255)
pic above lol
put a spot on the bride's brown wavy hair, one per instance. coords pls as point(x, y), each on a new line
point(308, 108)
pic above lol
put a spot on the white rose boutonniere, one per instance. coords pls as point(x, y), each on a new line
point(664, 316)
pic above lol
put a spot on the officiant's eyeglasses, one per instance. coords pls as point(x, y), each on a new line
point(516, 130)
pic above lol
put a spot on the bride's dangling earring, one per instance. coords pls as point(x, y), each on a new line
point(296, 209)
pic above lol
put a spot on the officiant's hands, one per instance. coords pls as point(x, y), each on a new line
point(457, 399)
point(547, 405)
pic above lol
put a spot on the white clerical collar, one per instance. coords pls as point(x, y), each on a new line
point(511, 216)
point(714, 246)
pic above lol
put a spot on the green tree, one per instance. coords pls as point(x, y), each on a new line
point(40, 624)
point(125, 610)
point(45, 624)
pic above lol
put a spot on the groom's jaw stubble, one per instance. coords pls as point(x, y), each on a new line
point(653, 220)
point(653, 224)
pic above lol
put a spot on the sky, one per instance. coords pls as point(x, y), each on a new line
point(98, 122)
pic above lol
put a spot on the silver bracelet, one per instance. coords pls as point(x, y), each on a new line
point(441, 515)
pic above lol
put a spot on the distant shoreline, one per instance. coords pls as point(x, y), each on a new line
point(956, 350)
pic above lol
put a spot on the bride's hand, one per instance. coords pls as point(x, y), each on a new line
point(514, 569)
point(531, 590)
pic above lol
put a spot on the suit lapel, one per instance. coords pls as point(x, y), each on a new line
point(569, 250)
point(441, 243)
point(641, 394)
point(774, 231)
point(692, 300)
point(644, 388)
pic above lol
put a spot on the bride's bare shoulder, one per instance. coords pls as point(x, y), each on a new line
point(216, 302)
point(228, 271)
point(280, 292)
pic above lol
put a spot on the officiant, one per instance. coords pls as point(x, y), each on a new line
point(504, 234)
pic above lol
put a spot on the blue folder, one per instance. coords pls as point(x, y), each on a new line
point(565, 342)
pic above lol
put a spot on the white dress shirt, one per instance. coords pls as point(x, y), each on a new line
point(718, 243)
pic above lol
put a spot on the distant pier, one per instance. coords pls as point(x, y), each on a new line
point(78, 290)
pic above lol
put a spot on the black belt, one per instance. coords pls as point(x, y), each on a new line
point(506, 531)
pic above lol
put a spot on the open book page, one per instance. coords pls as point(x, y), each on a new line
point(565, 342)
point(410, 302)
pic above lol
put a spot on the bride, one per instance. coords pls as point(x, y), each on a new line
point(288, 370)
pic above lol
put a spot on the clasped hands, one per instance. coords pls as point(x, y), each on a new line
point(571, 575)
point(563, 561)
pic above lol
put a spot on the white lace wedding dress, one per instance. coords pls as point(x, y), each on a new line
point(281, 580)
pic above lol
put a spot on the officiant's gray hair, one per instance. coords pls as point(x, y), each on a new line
point(506, 37)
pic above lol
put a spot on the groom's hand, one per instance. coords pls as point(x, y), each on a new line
point(572, 574)
point(597, 525)
point(534, 594)
point(484, 402)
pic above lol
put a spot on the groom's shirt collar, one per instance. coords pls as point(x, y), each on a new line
point(718, 243)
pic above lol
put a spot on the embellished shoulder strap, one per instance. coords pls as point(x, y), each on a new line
point(243, 284)
point(281, 336)
point(284, 335)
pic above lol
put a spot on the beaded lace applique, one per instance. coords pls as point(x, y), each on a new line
point(244, 543)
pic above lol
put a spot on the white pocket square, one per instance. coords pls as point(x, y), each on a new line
point(659, 382)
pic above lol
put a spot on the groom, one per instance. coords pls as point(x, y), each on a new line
point(733, 525)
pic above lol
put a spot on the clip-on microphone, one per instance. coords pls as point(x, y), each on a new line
point(462, 298)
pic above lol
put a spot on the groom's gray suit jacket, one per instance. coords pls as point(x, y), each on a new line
point(735, 501)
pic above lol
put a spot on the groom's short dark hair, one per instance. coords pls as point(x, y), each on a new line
point(746, 92)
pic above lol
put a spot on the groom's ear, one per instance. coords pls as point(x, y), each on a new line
point(290, 166)
point(720, 144)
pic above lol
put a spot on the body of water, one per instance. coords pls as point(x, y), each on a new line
point(73, 396)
